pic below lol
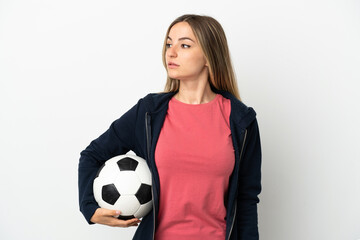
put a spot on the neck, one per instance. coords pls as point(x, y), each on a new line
point(196, 92)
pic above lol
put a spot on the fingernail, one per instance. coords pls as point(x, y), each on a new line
point(118, 212)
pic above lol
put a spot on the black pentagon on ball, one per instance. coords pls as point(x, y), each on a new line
point(144, 193)
point(127, 164)
point(126, 217)
point(110, 194)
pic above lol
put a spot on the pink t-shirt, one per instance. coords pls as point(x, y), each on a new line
point(195, 157)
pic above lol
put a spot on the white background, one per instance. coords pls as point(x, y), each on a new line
point(69, 68)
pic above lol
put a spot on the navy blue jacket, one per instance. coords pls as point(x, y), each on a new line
point(138, 130)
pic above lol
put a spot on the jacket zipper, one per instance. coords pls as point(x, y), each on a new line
point(148, 145)
point(233, 219)
point(147, 135)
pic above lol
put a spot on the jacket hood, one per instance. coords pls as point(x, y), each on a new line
point(240, 113)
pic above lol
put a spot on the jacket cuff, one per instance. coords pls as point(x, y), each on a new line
point(88, 211)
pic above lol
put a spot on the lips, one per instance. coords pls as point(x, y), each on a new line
point(172, 64)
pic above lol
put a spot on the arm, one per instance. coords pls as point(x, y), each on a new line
point(249, 185)
point(118, 139)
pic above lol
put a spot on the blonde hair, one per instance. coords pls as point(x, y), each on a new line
point(212, 40)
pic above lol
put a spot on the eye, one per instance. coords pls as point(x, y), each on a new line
point(168, 45)
point(185, 46)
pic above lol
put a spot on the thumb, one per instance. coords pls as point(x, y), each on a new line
point(115, 213)
point(109, 212)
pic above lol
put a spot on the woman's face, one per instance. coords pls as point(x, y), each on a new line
point(184, 56)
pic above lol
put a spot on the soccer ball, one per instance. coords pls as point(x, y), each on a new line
point(124, 183)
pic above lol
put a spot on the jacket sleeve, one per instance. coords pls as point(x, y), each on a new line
point(249, 185)
point(117, 140)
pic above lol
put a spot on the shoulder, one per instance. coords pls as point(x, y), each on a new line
point(240, 112)
point(156, 101)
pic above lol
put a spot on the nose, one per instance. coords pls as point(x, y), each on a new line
point(171, 52)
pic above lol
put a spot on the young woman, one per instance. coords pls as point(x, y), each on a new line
point(200, 141)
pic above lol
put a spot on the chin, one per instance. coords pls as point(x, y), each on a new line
point(174, 76)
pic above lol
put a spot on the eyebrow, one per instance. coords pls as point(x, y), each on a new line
point(183, 38)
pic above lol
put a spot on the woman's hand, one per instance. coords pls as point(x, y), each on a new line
point(108, 217)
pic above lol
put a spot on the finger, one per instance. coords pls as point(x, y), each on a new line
point(111, 220)
point(114, 222)
point(131, 222)
point(134, 224)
